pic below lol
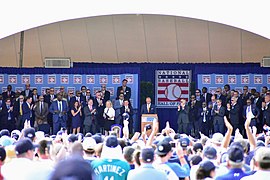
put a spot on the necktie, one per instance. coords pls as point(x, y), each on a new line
point(8, 94)
point(248, 108)
point(90, 108)
point(60, 106)
point(41, 104)
point(148, 108)
point(204, 118)
point(9, 115)
point(21, 111)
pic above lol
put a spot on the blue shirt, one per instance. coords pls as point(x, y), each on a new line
point(233, 174)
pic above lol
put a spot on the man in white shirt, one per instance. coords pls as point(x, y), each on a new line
point(262, 163)
point(23, 164)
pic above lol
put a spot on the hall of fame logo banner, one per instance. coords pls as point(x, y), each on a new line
point(171, 87)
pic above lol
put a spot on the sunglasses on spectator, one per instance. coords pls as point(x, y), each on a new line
point(217, 91)
point(87, 92)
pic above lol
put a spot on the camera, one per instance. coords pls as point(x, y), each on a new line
point(148, 127)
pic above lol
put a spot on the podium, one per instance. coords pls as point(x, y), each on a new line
point(148, 119)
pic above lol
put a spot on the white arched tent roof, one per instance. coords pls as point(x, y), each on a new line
point(250, 15)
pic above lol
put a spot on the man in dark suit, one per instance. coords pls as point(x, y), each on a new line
point(124, 89)
point(105, 94)
point(206, 97)
point(41, 111)
point(252, 111)
point(18, 110)
point(90, 120)
point(27, 92)
point(218, 114)
point(233, 110)
point(70, 100)
point(27, 111)
point(88, 96)
point(127, 114)
point(100, 105)
point(194, 106)
point(49, 98)
point(257, 100)
point(245, 95)
point(9, 93)
point(35, 96)
point(183, 117)
point(220, 96)
point(148, 108)
point(117, 106)
point(204, 119)
point(59, 109)
point(266, 110)
point(7, 116)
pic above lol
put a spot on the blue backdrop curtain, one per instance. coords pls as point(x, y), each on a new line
point(146, 72)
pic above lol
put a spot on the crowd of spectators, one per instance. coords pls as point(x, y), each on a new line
point(219, 136)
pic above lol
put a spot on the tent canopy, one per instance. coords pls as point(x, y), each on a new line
point(17, 15)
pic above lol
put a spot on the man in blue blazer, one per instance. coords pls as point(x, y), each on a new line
point(27, 108)
point(148, 108)
point(59, 109)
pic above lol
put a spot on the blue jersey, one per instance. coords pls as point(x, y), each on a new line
point(110, 169)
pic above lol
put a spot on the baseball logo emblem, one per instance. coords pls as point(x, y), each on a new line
point(173, 92)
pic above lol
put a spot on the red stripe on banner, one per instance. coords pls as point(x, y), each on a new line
point(167, 84)
point(161, 91)
point(184, 91)
point(167, 100)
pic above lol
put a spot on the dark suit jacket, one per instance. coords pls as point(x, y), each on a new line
point(27, 112)
point(223, 99)
point(144, 110)
point(254, 109)
point(201, 114)
point(183, 115)
point(55, 111)
point(258, 103)
point(47, 99)
point(266, 115)
point(29, 94)
point(5, 95)
point(208, 97)
point(127, 92)
point(89, 117)
point(36, 100)
point(218, 118)
point(245, 98)
point(4, 113)
point(107, 96)
point(234, 114)
point(41, 115)
point(122, 111)
point(193, 111)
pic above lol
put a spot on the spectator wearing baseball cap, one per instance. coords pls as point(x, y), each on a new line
point(146, 170)
point(262, 163)
point(89, 145)
point(235, 163)
point(173, 170)
point(210, 153)
point(206, 170)
point(25, 152)
point(29, 133)
point(111, 156)
point(194, 162)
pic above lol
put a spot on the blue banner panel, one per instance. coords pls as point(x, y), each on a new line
point(237, 82)
point(72, 82)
